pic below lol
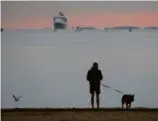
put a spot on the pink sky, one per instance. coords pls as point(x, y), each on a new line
point(101, 20)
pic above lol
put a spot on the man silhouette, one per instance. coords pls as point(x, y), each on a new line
point(94, 76)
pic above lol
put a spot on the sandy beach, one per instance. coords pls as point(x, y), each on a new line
point(104, 114)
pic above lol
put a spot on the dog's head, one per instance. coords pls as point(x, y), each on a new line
point(132, 97)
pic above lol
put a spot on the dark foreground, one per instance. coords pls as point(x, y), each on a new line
point(79, 114)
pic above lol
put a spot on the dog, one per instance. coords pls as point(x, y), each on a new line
point(127, 99)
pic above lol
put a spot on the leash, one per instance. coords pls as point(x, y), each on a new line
point(116, 90)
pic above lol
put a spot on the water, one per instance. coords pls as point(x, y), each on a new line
point(49, 69)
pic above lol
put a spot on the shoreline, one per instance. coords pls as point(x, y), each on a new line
point(75, 109)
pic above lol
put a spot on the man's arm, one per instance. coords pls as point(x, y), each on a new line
point(88, 76)
point(101, 76)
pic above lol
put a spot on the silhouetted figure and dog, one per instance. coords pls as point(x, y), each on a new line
point(94, 76)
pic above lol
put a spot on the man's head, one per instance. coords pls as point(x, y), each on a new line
point(95, 65)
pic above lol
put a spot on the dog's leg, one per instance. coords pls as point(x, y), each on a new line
point(122, 105)
point(127, 106)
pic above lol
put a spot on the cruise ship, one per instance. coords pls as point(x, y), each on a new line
point(59, 21)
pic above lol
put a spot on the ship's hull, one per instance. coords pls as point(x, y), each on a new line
point(59, 26)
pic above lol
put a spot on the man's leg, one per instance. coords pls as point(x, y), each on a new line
point(97, 95)
point(97, 100)
point(92, 94)
point(92, 99)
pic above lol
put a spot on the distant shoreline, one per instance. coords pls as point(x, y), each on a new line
point(74, 109)
point(93, 28)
